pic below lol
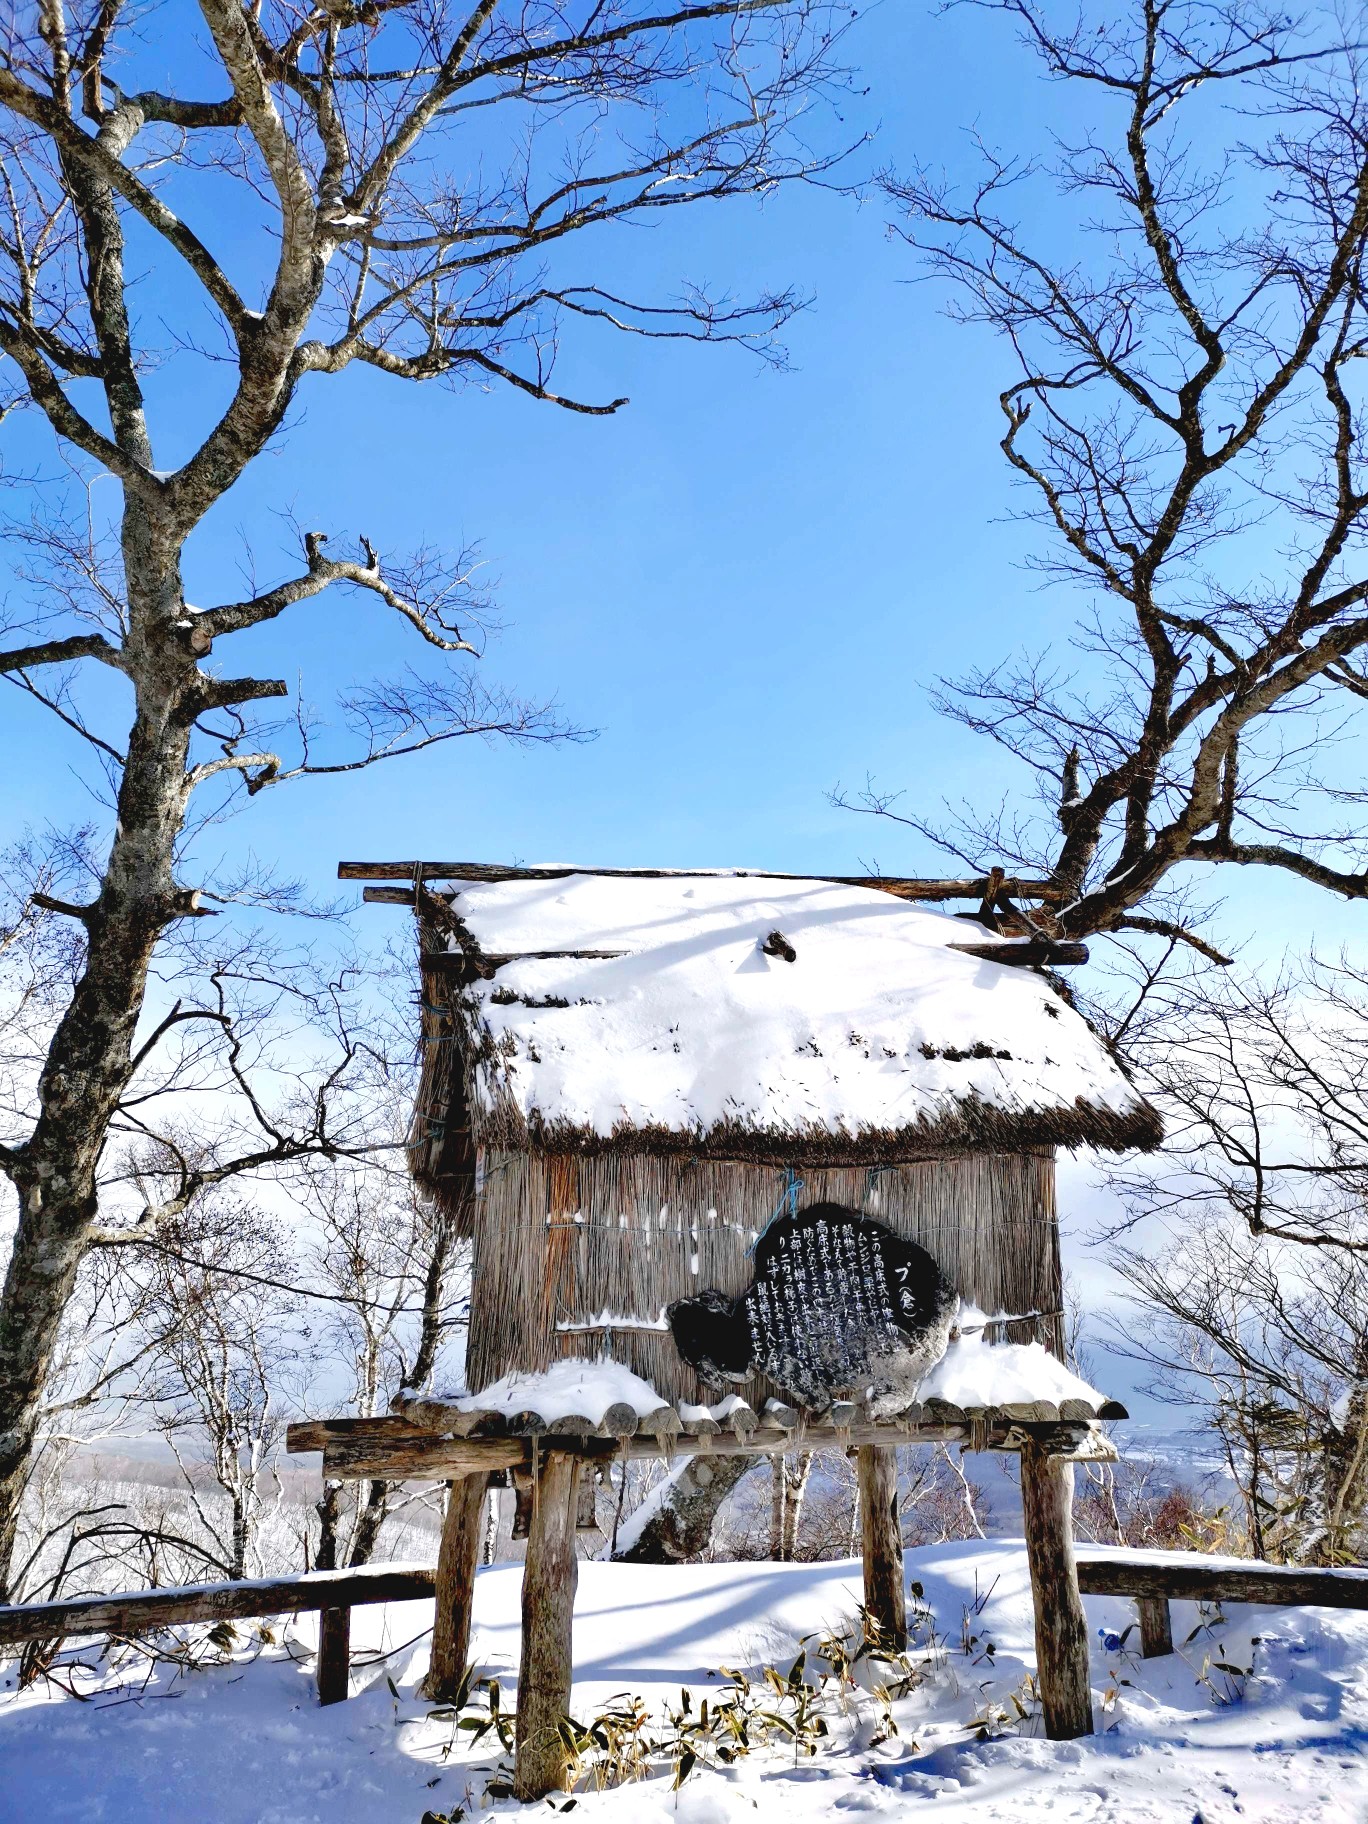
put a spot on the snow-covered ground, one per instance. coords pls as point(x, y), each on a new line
point(244, 1743)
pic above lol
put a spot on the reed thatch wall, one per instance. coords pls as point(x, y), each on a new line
point(561, 1239)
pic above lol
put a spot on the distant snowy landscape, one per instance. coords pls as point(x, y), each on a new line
point(1262, 1716)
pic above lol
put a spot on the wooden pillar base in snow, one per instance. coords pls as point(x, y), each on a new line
point(885, 1589)
point(550, 1577)
point(456, 1560)
point(1060, 1625)
point(334, 1655)
point(1156, 1627)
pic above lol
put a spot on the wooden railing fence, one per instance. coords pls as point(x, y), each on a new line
point(1155, 1579)
point(334, 1594)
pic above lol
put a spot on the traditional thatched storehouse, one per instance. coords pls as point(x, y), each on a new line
point(700, 1126)
point(625, 1078)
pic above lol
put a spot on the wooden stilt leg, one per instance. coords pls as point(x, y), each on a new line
point(885, 1589)
point(334, 1655)
point(548, 1602)
point(456, 1560)
point(1060, 1625)
point(1156, 1627)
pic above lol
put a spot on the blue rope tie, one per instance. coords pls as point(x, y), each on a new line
point(787, 1204)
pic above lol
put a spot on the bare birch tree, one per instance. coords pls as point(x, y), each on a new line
point(1177, 283)
point(217, 1380)
point(399, 1291)
point(421, 177)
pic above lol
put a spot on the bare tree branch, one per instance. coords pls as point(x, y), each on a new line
point(1180, 389)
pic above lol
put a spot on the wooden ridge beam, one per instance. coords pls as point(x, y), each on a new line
point(1034, 952)
point(489, 960)
point(494, 873)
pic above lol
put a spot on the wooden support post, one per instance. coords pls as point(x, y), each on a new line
point(1060, 1624)
point(550, 1577)
point(456, 1559)
point(885, 1588)
point(1156, 1627)
point(334, 1655)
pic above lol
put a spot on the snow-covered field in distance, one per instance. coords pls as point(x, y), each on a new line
point(245, 1743)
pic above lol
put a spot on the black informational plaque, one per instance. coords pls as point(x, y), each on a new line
point(841, 1306)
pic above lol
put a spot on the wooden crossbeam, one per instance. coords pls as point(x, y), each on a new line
point(493, 873)
point(317, 1434)
point(456, 960)
point(1031, 952)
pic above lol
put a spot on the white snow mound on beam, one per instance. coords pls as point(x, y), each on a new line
point(973, 1372)
point(568, 1389)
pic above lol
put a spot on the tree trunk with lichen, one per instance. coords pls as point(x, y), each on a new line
point(89, 1062)
point(683, 1510)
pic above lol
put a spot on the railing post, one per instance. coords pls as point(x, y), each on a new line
point(455, 1591)
point(885, 1587)
point(1156, 1627)
point(550, 1576)
point(1060, 1625)
point(334, 1655)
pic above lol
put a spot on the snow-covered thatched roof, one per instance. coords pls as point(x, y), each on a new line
point(877, 1041)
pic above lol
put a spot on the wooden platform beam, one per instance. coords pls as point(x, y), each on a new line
point(398, 1450)
point(457, 1557)
point(550, 1578)
point(1061, 1627)
point(885, 1587)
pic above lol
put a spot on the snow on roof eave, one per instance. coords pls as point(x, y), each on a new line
point(972, 1126)
point(658, 1015)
